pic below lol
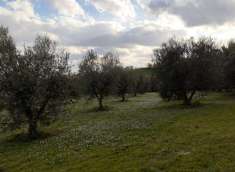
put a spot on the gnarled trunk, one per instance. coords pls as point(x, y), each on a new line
point(188, 99)
point(33, 129)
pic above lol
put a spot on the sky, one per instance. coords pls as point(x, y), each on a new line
point(130, 28)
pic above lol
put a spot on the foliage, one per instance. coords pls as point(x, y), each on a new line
point(97, 74)
point(32, 84)
point(139, 81)
point(183, 68)
point(229, 65)
point(123, 83)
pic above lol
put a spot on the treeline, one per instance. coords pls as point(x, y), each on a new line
point(36, 83)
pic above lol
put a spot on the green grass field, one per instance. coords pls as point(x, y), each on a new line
point(142, 135)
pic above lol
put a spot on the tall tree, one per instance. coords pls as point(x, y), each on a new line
point(32, 85)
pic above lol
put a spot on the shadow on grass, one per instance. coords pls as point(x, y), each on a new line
point(180, 106)
point(97, 109)
point(230, 94)
point(23, 138)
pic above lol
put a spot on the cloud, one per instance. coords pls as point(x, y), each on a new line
point(139, 56)
point(22, 8)
point(133, 40)
point(146, 35)
point(195, 12)
point(123, 9)
point(67, 7)
point(79, 36)
point(21, 19)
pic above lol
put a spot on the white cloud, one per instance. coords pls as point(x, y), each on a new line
point(123, 9)
point(67, 7)
point(134, 41)
point(139, 56)
point(194, 12)
point(23, 9)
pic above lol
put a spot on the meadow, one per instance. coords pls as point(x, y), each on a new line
point(144, 134)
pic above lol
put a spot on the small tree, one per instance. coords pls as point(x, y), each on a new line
point(123, 83)
point(138, 82)
point(142, 85)
point(74, 86)
point(184, 68)
point(133, 81)
point(33, 85)
point(98, 75)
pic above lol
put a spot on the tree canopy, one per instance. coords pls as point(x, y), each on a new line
point(32, 84)
point(185, 67)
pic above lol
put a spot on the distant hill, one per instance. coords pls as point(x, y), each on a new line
point(145, 71)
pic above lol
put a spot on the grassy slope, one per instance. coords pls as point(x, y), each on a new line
point(144, 134)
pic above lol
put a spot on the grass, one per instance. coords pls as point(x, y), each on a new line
point(142, 135)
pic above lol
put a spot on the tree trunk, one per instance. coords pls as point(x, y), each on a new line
point(188, 100)
point(33, 129)
point(135, 93)
point(123, 98)
point(101, 107)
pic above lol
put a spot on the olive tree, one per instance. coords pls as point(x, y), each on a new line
point(138, 82)
point(98, 74)
point(185, 67)
point(229, 65)
point(32, 84)
point(123, 82)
